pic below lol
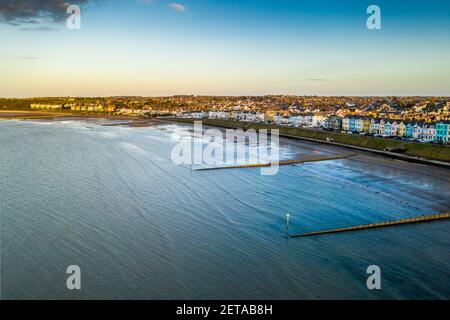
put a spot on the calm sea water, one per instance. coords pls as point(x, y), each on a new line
point(109, 199)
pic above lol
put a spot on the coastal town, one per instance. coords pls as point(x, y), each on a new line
point(417, 119)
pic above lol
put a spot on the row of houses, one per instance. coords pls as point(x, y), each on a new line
point(46, 106)
point(424, 132)
point(420, 131)
point(93, 108)
point(227, 115)
point(74, 107)
point(309, 120)
point(388, 128)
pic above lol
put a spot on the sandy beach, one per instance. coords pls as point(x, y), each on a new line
point(19, 114)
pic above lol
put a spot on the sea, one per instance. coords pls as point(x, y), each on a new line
point(106, 196)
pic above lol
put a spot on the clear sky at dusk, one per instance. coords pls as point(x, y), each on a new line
point(227, 47)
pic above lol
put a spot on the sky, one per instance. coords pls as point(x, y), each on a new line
point(227, 47)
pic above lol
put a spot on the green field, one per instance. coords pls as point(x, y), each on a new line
point(428, 151)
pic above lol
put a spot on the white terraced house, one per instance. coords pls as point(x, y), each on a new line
point(251, 117)
point(295, 121)
point(307, 121)
point(427, 133)
point(218, 114)
point(346, 124)
point(416, 131)
point(374, 126)
point(194, 115)
point(260, 116)
point(277, 118)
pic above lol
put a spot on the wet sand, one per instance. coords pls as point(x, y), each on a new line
point(49, 115)
point(17, 114)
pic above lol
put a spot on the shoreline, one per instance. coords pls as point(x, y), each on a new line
point(362, 158)
point(25, 114)
point(387, 154)
point(139, 122)
point(365, 161)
